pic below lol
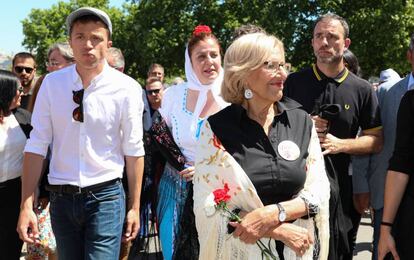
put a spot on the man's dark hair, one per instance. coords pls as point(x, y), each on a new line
point(8, 87)
point(247, 29)
point(24, 55)
point(153, 66)
point(86, 19)
point(151, 80)
point(332, 16)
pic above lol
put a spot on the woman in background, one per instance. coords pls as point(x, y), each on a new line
point(14, 131)
point(184, 108)
point(59, 55)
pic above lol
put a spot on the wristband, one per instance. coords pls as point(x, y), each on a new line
point(384, 223)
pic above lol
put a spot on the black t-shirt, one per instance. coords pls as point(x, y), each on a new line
point(356, 97)
point(275, 178)
point(359, 109)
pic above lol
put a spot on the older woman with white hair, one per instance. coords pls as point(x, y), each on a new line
point(59, 56)
point(260, 159)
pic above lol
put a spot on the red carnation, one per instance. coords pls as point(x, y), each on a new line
point(217, 143)
point(201, 29)
point(221, 195)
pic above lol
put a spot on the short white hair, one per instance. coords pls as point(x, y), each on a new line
point(244, 55)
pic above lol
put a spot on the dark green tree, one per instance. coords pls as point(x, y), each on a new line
point(44, 27)
point(149, 31)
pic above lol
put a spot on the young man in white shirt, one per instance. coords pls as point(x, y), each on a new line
point(91, 115)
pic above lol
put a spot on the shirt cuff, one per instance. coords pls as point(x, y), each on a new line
point(36, 148)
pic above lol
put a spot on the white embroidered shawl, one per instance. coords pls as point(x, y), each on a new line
point(215, 166)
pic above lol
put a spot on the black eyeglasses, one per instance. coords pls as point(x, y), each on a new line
point(20, 69)
point(78, 112)
point(153, 91)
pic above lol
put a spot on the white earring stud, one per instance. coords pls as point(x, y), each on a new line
point(248, 94)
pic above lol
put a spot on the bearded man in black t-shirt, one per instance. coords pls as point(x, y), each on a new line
point(340, 103)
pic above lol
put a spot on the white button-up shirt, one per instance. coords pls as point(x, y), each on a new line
point(91, 152)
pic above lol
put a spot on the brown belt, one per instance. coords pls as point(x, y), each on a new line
point(72, 189)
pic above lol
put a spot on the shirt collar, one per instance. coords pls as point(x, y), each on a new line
point(410, 82)
point(94, 82)
point(283, 106)
point(339, 78)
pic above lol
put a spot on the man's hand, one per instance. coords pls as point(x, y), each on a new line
point(256, 224)
point(27, 226)
point(132, 225)
point(321, 127)
point(331, 144)
point(361, 201)
point(134, 169)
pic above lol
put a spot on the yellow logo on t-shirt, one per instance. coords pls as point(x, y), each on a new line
point(347, 106)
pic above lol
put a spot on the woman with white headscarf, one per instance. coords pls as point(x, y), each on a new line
point(184, 108)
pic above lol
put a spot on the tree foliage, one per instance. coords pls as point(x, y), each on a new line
point(44, 27)
point(150, 31)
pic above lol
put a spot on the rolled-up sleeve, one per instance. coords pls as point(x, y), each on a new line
point(41, 135)
point(402, 159)
point(131, 124)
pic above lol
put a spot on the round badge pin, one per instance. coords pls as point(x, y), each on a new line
point(288, 150)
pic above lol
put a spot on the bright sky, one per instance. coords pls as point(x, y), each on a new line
point(12, 12)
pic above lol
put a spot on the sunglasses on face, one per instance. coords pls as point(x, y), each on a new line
point(153, 91)
point(20, 69)
point(78, 112)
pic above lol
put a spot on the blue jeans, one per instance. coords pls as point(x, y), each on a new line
point(88, 225)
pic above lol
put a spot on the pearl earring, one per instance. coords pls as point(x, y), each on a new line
point(248, 94)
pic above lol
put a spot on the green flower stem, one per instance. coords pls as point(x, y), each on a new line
point(266, 252)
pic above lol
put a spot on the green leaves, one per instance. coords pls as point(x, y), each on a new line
point(149, 31)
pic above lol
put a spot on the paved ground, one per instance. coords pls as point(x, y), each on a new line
point(364, 240)
point(362, 250)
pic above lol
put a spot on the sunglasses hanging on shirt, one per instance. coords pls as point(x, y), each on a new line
point(78, 111)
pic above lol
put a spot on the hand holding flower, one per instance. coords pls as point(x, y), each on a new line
point(256, 224)
point(221, 198)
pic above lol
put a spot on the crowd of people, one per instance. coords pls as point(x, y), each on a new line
point(242, 160)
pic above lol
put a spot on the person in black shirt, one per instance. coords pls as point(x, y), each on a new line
point(397, 221)
point(340, 103)
point(269, 158)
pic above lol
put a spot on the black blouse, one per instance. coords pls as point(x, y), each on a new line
point(277, 174)
point(402, 159)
